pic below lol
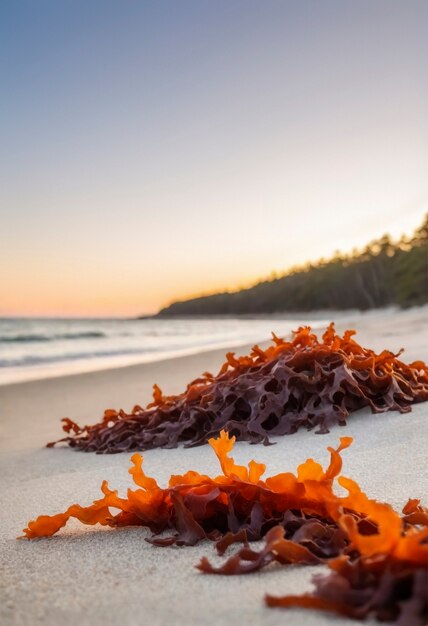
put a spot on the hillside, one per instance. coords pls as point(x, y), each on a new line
point(384, 273)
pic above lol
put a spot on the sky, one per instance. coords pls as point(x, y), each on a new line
point(155, 150)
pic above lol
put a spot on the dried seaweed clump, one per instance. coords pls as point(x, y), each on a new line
point(302, 383)
point(378, 558)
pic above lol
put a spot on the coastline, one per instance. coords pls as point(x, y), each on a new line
point(280, 324)
point(100, 576)
point(118, 346)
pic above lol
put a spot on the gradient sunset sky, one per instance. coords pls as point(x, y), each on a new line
point(155, 150)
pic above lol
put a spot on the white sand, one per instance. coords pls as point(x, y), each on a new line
point(97, 576)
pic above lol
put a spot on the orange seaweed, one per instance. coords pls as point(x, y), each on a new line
point(302, 383)
point(208, 499)
point(378, 558)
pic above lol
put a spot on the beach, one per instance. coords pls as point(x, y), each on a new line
point(91, 575)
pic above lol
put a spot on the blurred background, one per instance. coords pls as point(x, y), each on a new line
point(203, 166)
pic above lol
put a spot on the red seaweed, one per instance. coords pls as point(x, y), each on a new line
point(388, 589)
point(195, 506)
point(302, 383)
point(378, 559)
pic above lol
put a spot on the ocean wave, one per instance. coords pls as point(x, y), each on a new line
point(35, 359)
point(34, 338)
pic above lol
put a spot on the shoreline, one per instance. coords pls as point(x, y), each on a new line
point(73, 367)
point(65, 367)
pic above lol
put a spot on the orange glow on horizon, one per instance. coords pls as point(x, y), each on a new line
point(175, 154)
point(108, 292)
point(95, 297)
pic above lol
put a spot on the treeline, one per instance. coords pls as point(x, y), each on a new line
point(384, 273)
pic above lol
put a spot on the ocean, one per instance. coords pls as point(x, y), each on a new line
point(32, 349)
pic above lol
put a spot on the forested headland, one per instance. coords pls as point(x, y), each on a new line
point(384, 273)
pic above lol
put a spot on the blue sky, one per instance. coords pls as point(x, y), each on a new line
point(154, 150)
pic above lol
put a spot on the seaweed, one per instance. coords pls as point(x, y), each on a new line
point(383, 577)
point(389, 590)
point(195, 506)
point(302, 383)
point(378, 558)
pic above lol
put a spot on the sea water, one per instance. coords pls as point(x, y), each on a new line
point(40, 348)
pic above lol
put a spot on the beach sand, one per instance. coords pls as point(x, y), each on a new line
point(88, 575)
